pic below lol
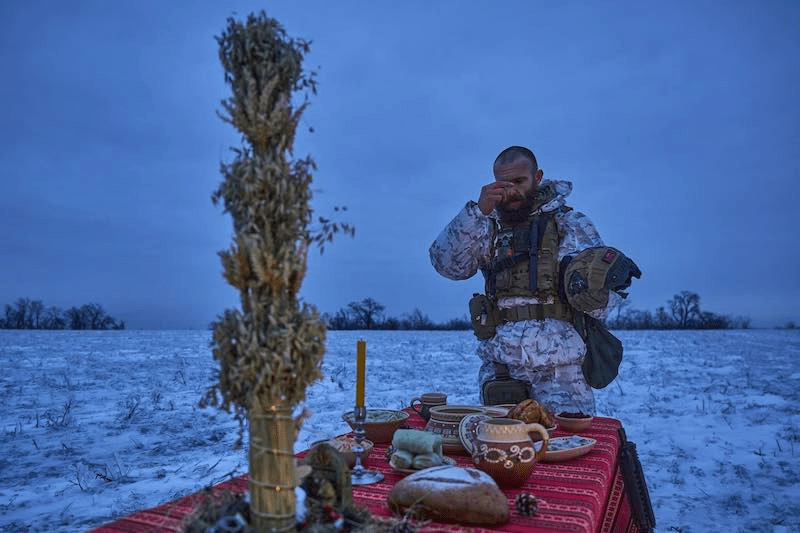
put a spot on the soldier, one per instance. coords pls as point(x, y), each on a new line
point(523, 237)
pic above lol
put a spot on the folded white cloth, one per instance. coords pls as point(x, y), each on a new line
point(417, 441)
point(426, 460)
point(401, 459)
point(415, 448)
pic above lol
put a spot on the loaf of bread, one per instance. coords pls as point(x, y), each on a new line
point(531, 412)
point(451, 494)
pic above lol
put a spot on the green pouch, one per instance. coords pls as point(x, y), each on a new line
point(484, 316)
point(603, 351)
point(504, 389)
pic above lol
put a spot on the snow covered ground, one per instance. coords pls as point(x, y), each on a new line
point(96, 425)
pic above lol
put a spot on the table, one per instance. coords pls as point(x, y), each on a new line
point(582, 495)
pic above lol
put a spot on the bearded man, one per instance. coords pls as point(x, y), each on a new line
point(519, 234)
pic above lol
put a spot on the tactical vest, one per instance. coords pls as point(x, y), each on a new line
point(526, 264)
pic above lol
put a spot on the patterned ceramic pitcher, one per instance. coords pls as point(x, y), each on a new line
point(503, 449)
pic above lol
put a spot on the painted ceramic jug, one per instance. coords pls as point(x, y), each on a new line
point(503, 449)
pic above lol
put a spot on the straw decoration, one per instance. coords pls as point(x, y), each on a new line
point(271, 349)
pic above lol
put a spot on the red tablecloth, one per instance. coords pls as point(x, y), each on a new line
point(584, 495)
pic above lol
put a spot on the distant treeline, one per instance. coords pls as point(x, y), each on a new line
point(682, 312)
point(33, 314)
point(369, 314)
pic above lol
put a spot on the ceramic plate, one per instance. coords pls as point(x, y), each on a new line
point(564, 448)
point(448, 461)
point(496, 411)
point(467, 428)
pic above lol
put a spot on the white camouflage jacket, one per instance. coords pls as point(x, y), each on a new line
point(533, 350)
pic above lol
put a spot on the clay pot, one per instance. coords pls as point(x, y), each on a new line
point(503, 449)
point(444, 421)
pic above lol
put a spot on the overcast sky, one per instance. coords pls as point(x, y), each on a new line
point(677, 122)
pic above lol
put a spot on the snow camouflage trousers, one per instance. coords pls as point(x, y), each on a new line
point(546, 355)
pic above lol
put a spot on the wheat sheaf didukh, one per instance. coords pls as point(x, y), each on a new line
point(271, 349)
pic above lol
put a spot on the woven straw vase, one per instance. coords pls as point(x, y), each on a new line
point(272, 469)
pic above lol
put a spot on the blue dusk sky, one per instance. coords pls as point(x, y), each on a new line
point(677, 122)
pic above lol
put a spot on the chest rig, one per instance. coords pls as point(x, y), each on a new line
point(526, 264)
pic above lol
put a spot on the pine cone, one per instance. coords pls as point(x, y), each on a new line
point(526, 504)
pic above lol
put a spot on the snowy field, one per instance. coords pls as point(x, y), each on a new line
point(96, 425)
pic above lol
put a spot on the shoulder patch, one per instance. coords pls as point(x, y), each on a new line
point(609, 256)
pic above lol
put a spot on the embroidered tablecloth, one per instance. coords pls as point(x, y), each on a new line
point(583, 495)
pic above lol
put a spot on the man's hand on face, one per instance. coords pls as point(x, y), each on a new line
point(495, 193)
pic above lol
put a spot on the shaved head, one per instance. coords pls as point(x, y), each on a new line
point(513, 153)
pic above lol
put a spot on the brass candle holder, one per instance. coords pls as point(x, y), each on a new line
point(360, 475)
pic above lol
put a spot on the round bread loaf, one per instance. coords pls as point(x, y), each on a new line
point(451, 494)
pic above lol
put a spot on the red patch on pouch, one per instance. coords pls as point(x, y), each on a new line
point(609, 256)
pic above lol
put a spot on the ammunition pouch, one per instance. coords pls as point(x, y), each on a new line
point(503, 389)
point(484, 316)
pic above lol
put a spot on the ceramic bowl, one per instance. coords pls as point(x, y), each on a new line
point(379, 424)
point(344, 444)
point(573, 422)
point(445, 419)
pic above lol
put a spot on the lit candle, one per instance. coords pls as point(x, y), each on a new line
point(361, 370)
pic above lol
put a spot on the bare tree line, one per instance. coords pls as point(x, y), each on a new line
point(25, 313)
point(683, 311)
point(369, 314)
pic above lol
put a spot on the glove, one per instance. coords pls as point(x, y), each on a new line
point(589, 276)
